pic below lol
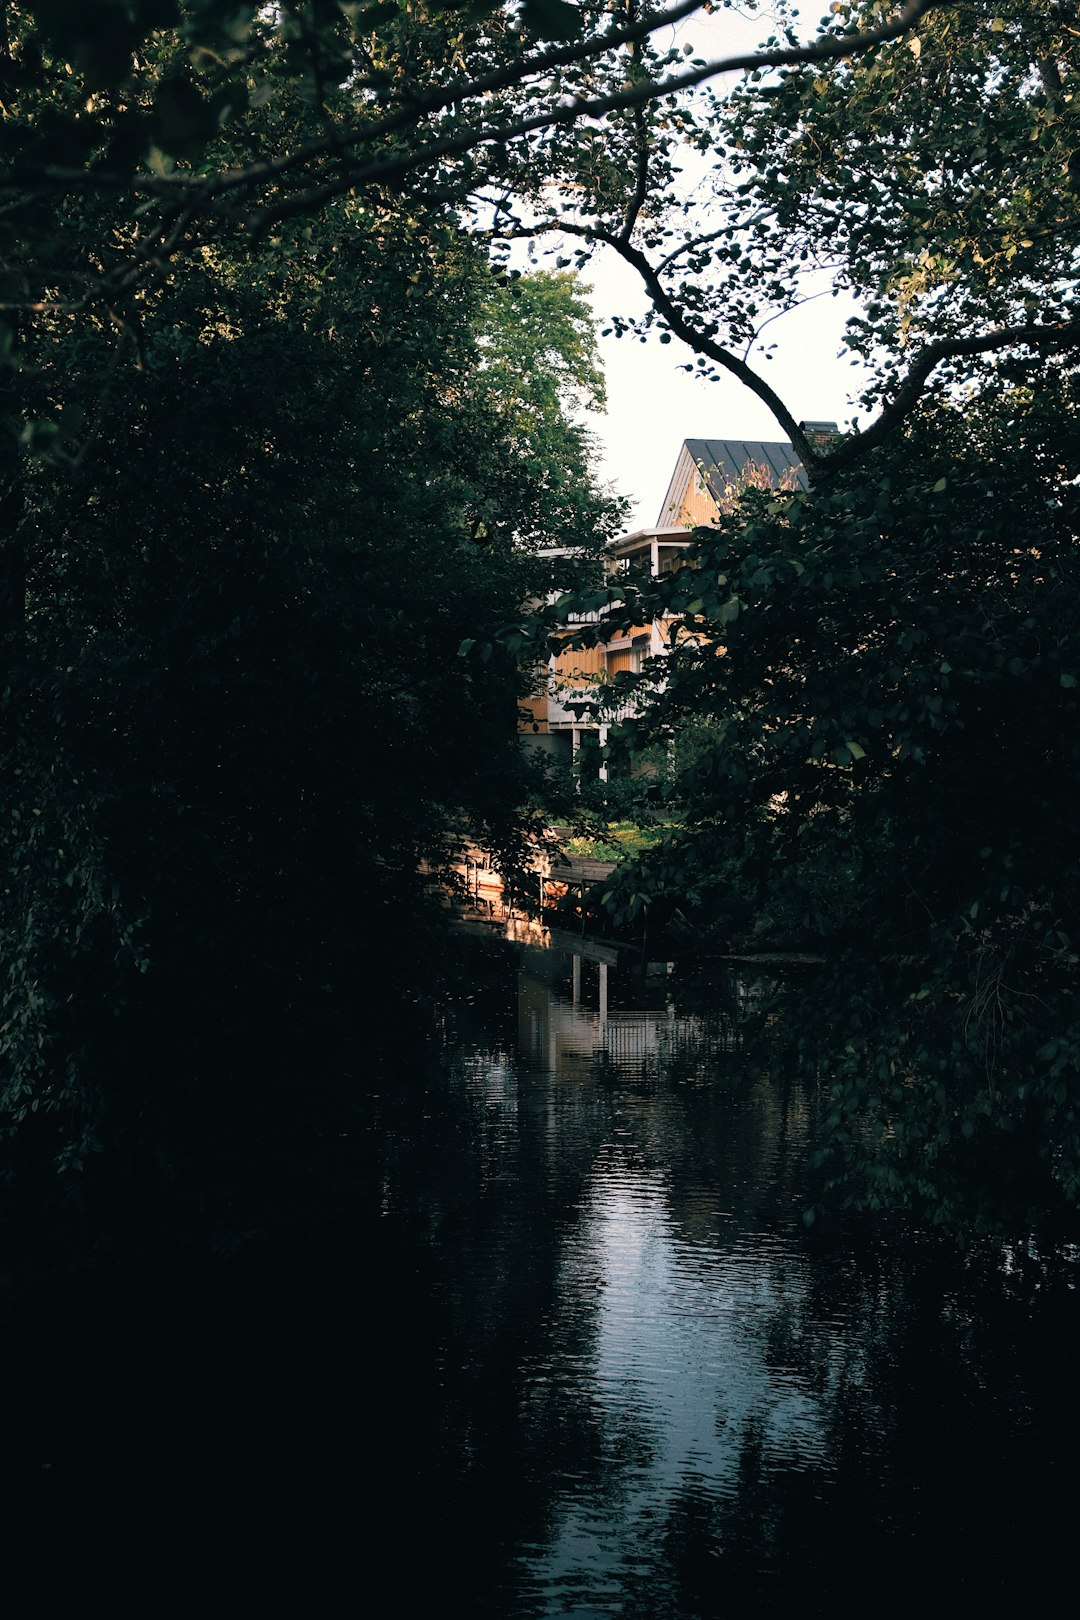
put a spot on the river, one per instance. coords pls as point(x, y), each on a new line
point(575, 1352)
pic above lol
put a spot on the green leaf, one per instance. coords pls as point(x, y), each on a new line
point(184, 119)
point(552, 19)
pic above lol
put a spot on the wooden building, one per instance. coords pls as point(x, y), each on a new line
point(709, 474)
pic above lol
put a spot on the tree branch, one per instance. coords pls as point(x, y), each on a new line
point(850, 450)
point(702, 344)
point(1061, 335)
point(682, 328)
point(641, 186)
point(418, 107)
point(391, 170)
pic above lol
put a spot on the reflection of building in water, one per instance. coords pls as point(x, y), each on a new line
point(573, 1009)
point(682, 1321)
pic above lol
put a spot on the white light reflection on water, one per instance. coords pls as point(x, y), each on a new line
point(689, 1406)
point(678, 1377)
point(673, 1369)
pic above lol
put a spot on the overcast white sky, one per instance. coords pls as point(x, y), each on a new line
point(653, 406)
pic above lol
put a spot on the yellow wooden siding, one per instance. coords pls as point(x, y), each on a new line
point(532, 713)
point(671, 560)
point(693, 504)
point(579, 667)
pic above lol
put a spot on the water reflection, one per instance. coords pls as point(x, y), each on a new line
point(664, 1310)
point(713, 1401)
point(679, 1373)
point(553, 1340)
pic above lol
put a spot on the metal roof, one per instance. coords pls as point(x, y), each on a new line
point(721, 461)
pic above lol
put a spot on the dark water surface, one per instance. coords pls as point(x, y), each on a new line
point(567, 1349)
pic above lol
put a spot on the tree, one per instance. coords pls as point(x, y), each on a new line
point(139, 134)
point(258, 491)
point(934, 176)
point(160, 155)
point(181, 121)
point(239, 727)
point(887, 663)
point(539, 375)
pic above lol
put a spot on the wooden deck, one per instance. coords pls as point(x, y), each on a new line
point(578, 869)
point(483, 884)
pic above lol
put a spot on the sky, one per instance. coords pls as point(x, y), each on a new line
point(652, 404)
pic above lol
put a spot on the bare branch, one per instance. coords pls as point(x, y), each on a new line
point(798, 303)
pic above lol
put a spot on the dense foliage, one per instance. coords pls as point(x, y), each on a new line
point(252, 513)
point(889, 668)
point(934, 177)
point(881, 673)
point(239, 723)
point(277, 440)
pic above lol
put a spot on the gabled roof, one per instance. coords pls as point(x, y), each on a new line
point(721, 461)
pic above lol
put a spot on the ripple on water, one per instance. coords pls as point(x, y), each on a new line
point(707, 1399)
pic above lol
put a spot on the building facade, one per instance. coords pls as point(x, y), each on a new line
point(559, 717)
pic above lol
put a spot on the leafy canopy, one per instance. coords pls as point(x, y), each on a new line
point(255, 505)
point(880, 674)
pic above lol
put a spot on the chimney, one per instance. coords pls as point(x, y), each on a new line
point(820, 432)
